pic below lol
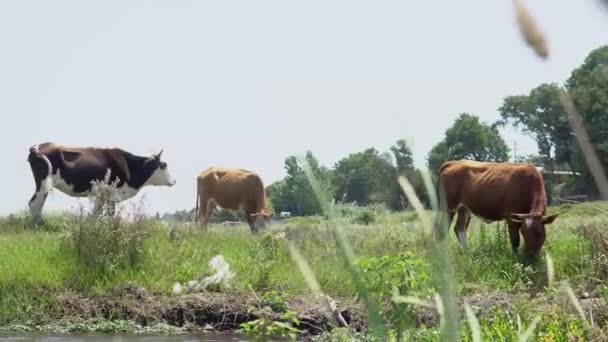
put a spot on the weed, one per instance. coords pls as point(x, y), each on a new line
point(275, 300)
point(404, 274)
point(102, 241)
point(366, 217)
point(265, 327)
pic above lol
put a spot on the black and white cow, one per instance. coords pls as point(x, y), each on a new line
point(72, 169)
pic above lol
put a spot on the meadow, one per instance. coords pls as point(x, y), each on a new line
point(96, 273)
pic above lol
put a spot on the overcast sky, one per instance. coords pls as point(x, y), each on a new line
point(247, 83)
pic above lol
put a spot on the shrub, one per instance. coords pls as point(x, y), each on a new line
point(274, 300)
point(365, 217)
point(266, 251)
point(265, 328)
point(102, 240)
point(404, 273)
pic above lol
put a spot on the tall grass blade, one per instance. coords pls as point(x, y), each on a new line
point(550, 269)
point(410, 193)
point(528, 333)
point(439, 254)
point(309, 277)
point(473, 323)
point(376, 323)
point(430, 188)
point(593, 162)
point(577, 304)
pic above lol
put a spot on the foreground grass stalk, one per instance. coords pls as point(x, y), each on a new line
point(473, 323)
point(312, 283)
point(439, 254)
point(593, 162)
point(375, 321)
point(528, 333)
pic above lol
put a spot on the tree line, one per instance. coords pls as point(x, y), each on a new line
point(370, 176)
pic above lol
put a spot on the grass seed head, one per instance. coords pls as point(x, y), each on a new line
point(528, 28)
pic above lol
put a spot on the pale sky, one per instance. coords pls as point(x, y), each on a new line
point(247, 83)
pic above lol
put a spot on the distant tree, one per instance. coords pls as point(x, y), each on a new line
point(278, 196)
point(588, 86)
point(541, 116)
point(533, 159)
point(404, 160)
point(403, 155)
point(294, 193)
point(468, 138)
point(366, 177)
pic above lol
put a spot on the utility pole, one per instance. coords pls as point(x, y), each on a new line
point(514, 151)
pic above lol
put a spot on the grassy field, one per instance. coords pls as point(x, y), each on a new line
point(89, 259)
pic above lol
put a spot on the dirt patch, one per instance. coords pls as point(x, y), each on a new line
point(199, 311)
point(224, 312)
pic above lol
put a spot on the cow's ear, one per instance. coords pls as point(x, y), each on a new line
point(550, 219)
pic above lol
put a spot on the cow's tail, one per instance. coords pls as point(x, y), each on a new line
point(46, 183)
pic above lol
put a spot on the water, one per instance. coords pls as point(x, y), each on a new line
point(27, 337)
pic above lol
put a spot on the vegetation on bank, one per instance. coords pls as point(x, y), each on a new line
point(93, 256)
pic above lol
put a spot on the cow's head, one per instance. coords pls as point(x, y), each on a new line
point(160, 175)
point(260, 220)
point(533, 230)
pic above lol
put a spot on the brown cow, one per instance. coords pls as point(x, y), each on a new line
point(233, 189)
point(496, 191)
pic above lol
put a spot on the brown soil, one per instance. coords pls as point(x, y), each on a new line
point(226, 311)
point(197, 311)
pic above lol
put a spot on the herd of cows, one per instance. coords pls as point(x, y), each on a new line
point(513, 192)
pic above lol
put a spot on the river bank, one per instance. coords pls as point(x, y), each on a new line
point(74, 274)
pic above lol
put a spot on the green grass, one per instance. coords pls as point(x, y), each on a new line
point(35, 265)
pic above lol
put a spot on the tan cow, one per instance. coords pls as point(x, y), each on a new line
point(497, 191)
point(234, 189)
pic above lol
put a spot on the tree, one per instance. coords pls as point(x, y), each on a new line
point(278, 196)
point(588, 86)
point(404, 163)
point(366, 177)
point(541, 116)
point(295, 193)
point(468, 138)
point(403, 155)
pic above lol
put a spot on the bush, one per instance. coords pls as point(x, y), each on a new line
point(102, 240)
point(365, 217)
point(405, 274)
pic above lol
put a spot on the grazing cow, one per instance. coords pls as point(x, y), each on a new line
point(232, 189)
point(72, 169)
point(496, 191)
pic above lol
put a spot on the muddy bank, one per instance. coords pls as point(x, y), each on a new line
point(224, 312)
point(210, 311)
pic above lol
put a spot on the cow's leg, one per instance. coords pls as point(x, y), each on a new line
point(461, 226)
point(36, 203)
point(209, 206)
point(41, 170)
point(250, 223)
point(202, 211)
point(514, 235)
